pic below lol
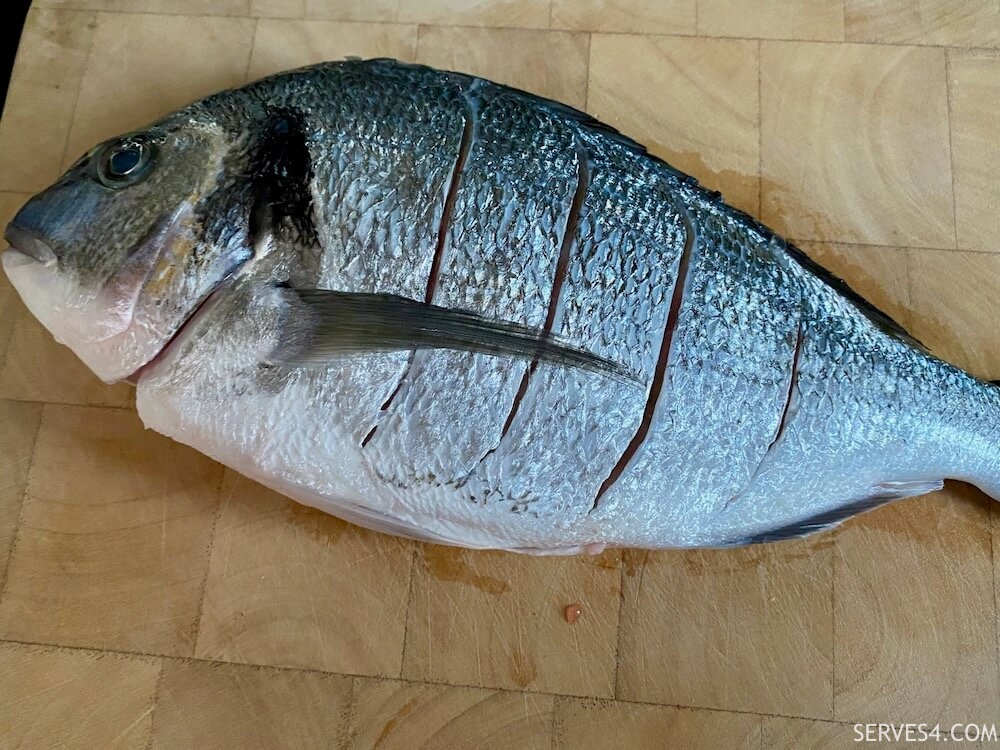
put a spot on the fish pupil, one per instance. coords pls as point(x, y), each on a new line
point(125, 160)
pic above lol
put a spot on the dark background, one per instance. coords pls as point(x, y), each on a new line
point(11, 22)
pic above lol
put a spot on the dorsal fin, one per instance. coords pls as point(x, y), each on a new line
point(882, 320)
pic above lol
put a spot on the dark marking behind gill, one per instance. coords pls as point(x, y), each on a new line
point(265, 192)
point(662, 360)
point(281, 173)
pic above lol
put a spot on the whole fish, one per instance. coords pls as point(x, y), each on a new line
point(446, 309)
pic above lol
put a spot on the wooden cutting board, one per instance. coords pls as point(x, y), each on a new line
point(149, 596)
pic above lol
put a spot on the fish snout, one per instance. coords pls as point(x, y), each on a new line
point(29, 243)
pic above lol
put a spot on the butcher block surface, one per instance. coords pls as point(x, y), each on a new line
point(151, 598)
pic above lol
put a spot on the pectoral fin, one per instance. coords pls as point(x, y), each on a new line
point(321, 324)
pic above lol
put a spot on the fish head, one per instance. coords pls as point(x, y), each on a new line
point(118, 253)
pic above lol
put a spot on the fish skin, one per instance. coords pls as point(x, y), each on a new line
point(771, 400)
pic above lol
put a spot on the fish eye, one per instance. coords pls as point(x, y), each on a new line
point(125, 163)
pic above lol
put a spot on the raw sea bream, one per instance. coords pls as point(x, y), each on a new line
point(454, 311)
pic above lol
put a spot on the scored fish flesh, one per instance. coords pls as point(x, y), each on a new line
point(450, 310)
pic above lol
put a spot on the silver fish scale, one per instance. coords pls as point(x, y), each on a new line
point(379, 197)
point(622, 268)
point(499, 260)
point(510, 210)
point(621, 271)
point(866, 407)
point(408, 107)
point(727, 379)
point(379, 193)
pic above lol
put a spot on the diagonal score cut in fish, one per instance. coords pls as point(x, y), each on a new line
point(446, 309)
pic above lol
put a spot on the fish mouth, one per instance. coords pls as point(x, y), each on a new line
point(82, 314)
point(29, 245)
point(111, 327)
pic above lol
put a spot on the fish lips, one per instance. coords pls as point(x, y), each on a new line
point(25, 242)
point(99, 323)
point(72, 317)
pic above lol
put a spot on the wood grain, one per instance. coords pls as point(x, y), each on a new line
point(680, 645)
point(180, 7)
point(10, 304)
point(923, 22)
point(75, 699)
point(201, 704)
point(493, 619)
point(780, 732)
point(112, 548)
point(819, 20)
point(974, 81)
point(51, 60)
point(507, 13)
point(636, 83)
point(290, 586)
point(917, 613)
point(952, 324)
point(867, 161)
point(389, 714)
point(17, 445)
point(548, 63)
point(606, 725)
point(286, 44)
point(635, 16)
